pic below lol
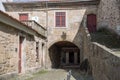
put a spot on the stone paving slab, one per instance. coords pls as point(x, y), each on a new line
point(57, 74)
point(53, 75)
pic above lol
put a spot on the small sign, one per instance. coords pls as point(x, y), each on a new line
point(35, 18)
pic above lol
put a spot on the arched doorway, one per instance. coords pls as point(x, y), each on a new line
point(91, 23)
point(64, 54)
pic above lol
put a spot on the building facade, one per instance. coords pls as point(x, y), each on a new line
point(68, 24)
point(62, 21)
point(22, 48)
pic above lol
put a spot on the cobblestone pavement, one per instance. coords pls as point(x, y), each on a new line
point(52, 75)
point(57, 74)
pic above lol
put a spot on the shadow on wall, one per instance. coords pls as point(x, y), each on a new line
point(55, 58)
point(83, 39)
point(57, 54)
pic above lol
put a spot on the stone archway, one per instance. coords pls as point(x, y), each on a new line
point(64, 54)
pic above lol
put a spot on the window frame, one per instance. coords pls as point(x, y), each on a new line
point(65, 19)
point(37, 52)
point(24, 14)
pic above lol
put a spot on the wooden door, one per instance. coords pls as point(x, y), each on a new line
point(91, 23)
point(20, 54)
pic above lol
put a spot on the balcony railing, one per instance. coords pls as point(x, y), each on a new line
point(34, 25)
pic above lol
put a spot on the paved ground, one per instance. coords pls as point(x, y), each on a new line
point(57, 74)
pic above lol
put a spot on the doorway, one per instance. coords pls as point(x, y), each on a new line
point(71, 57)
point(91, 23)
point(21, 39)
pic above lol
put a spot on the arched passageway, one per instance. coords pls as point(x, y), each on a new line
point(64, 54)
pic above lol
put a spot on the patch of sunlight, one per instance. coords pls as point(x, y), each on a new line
point(41, 72)
point(37, 74)
point(15, 78)
point(30, 78)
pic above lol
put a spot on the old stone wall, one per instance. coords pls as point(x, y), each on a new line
point(74, 16)
point(71, 31)
point(85, 42)
point(39, 15)
point(9, 51)
point(31, 56)
point(105, 63)
point(108, 14)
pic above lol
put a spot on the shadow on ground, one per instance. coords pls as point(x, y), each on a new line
point(54, 74)
point(79, 75)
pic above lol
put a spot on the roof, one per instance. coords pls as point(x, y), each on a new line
point(16, 6)
point(50, 1)
point(9, 20)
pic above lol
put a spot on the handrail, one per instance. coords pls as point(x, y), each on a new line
point(69, 75)
point(39, 25)
point(34, 25)
point(34, 22)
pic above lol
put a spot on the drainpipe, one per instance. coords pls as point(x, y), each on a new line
point(46, 54)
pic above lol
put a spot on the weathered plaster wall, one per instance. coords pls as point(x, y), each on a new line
point(108, 14)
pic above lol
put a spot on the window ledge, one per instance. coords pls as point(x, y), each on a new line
point(60, 27)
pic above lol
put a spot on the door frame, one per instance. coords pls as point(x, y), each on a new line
point(94, 22)
point(21, 54)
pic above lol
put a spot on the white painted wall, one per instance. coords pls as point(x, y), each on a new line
point(2, 8)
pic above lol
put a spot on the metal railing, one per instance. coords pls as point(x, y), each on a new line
point(37, 27)
point(69, 75)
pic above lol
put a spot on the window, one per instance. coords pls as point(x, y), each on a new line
point(60, 19)
point(37, 51)
point(23, 17)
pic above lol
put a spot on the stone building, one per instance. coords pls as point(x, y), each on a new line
point(22, 48)
point(62, 21)
point(109, 14)
point(68, 24)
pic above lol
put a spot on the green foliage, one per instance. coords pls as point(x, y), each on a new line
point(37, 74)
point(106, 37)
point(40, 72)
point(105, 31)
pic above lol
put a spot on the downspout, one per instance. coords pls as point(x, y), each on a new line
point(46, 55)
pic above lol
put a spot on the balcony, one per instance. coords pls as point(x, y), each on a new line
point(37, 27)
